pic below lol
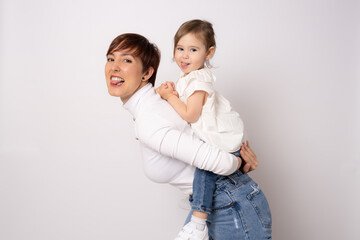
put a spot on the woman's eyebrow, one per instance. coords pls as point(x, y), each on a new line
point(122, 55)
point(127, 54)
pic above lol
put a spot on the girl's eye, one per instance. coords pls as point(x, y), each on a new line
point(193, 50)
point(180, 49)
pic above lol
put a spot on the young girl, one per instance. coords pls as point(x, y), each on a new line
point(208, 112)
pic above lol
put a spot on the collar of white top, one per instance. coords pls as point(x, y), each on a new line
point(134, 103)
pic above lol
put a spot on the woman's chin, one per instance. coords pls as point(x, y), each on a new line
point(113, 93)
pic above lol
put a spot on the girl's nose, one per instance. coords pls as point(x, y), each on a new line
point(186, 54)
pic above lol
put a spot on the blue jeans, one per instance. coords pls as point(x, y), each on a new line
point(203, 189)
point(240, 210)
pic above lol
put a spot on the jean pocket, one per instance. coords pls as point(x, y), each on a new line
point(260, 204)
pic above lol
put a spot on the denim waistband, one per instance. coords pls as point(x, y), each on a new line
point(236, 178)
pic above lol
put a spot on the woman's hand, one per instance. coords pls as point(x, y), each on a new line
point(249, 157)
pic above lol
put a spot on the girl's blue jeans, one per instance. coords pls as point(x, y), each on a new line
point(204, 188)
point(239, 209)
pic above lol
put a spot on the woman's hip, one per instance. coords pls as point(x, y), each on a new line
point(240, 209)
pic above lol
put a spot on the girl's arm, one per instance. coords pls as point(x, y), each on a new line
point(191, 111)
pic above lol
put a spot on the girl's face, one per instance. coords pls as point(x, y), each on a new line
point(191, 53)
point(123, 73)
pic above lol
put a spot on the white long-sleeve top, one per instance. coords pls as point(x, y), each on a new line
point(170, 149)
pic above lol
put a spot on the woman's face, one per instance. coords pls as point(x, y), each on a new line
point(123, 72)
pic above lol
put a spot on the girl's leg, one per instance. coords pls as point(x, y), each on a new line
point(201, 204)
point(203, 191)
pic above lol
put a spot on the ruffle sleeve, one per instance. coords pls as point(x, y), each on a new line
point(200, 80)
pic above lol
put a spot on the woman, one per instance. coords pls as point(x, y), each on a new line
point(171, 151)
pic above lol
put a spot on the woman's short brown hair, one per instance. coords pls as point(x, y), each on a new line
point(140, 47)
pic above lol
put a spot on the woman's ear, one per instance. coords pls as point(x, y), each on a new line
point(148, 74)
point(210, 53)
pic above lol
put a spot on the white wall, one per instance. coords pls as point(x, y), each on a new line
point(70, 167)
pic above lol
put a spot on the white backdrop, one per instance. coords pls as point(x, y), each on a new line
point(70, 167)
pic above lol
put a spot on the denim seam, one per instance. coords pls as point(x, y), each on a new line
point(256, 191)
point(223, 184)
point(224, 207)
point(236, 185)
point(237, 209)
point(239, 185)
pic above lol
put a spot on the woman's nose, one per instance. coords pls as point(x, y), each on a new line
point(115, 66)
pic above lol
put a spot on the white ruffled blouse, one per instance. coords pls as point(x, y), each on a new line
point(218, 124)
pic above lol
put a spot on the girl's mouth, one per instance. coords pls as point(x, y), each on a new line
point(184, 65)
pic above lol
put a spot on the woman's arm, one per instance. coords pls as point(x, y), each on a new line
point(159, 134)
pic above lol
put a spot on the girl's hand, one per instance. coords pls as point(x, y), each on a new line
point(247, 154)
point(166, 90)
point(173, 86)
point(176, 93)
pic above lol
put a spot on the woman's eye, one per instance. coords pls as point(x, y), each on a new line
point(127, 60)
point(110, 59)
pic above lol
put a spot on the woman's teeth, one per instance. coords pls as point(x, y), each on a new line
point(117, 81)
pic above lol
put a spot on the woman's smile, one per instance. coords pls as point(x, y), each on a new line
point(116, 81)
